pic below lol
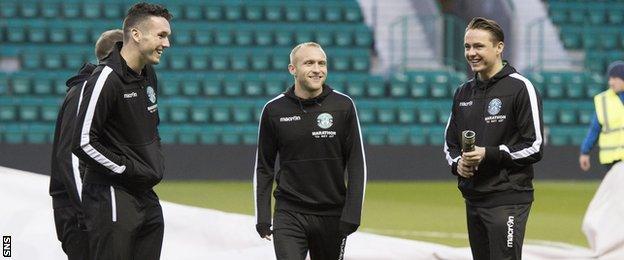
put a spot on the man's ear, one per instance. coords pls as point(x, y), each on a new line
point(292, 70)
point(136, 34)
point(500, 47)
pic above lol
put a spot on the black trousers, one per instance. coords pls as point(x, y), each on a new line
point(295, 233)
point(122, 225)
point(497, 232)
point(73, 238)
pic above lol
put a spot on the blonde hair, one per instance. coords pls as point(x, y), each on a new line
point(106, 43)
point(305, 44)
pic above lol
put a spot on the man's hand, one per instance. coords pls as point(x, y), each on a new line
point(475, 157)
point(346, 228)
point(264, 230)
point(464, 170)
point(584, 162)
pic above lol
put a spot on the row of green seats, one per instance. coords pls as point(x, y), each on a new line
point(29, 109)
point(34, 133)
point(403, 135)
point(425, 84)
point(566, 135)
point(33, 57)
point(586, 12)
point(568, 113)
point(598, 61)
point(568, 85)
point(214, 10)
point(192, 33)
point(592, 37)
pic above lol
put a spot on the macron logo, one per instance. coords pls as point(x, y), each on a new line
point(290, 118)
point(130, 95)
point(510, 231)
point(465, 104)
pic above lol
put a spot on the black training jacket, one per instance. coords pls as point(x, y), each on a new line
point(116, 132)
point(506, 114)
point(66, 173)
point(318, 141)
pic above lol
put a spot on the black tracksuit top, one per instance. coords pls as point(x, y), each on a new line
point(65, 171)
point(116, 132)
point(318, 141)
point(505, 112)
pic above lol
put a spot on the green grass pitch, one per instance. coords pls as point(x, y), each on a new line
point(422, 210)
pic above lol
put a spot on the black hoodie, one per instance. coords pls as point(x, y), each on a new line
point(116, 132)
point(318, 140)
point(65, 175)
point(506, 114)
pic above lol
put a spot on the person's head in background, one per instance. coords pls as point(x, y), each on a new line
point(146, 34)
point(616, 76)
point(483, 47)
point(308, 65)
point(105, 44)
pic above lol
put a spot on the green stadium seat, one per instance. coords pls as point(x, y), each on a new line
point(417, 136)
point(608, 40)
point(49, 110)
point(8, 110)
point(303, 36)
point(398, 135)
point(342, 38)
point(220, 114)
point(8, 9)
point(577, 135)
point(550, 113)
point(73, 60)
point(232, 87)
point(70, 9)
point(558, 136)
point(20, 85)
point(59, 86)
point(376, 87)
point(91, 10)
point(193, 12)
point(182, 37)
point(273, 13)
point(112, 11)
point(42, 86)
point(200, 112)
point(29, 110)
point(174, 9)
point(375, 135)
point(586, 112)
point(223, 37)
point(208, 135)
point(596, 84)
point(203, 37)
point(243, 37)
point(167, 133)
point(398, 87)
point(406, 115)
point(213, 12)
point(427, 115)
point(15, 134)
point(366, 114)
point(242, 114)
point(293, 13)
point(191, 87)
point(443, 115)
point(249, 135)
point(78, 33)
point(615, 15)
point(253, 12)
point(324, 38)
point(274, 86)
point(219, 62)
point(332, 13)
point(567, 114)
point(263, 37)
point(233, 12)
point(439, 85)
point(436, 135)
point(353, 14)
point(30, 60)
point(37, 34)
point(169, 87)
point(360, 63)
point(212, 86)
point(179, 110)
point(188, 134)
point(280, 62)
point(340, 63)
point(16, 34)
point(29, 10)
point(571, 38)
point(283, 38)
point(363, 37)
point(558, 14)
point(590, 40)
point(253, 87)
point(419, 86)
point(596, 13)
point(58, 35)
point(178, 62)
point(260, 62)
point(199, 61)
point(313, 12)
point(576, 14)
point(52, 61)
point(230, 135)
point(239, 62)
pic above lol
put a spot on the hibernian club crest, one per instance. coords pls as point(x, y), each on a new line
point(151, 94)
point(495, 106)
point(325, 120)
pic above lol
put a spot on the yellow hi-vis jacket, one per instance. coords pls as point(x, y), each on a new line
point(610, 113)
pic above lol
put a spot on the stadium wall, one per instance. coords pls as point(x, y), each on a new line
point(236, 162)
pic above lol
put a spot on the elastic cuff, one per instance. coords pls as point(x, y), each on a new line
point(492, 155)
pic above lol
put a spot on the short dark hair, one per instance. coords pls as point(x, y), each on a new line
point(141, 11)
point(491, 26)
point(106, 43)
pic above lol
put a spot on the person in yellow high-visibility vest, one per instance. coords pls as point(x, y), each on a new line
point(607, 126)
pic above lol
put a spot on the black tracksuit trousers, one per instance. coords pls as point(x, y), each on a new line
point(295, 233)
point(122, 225)
point(73, 237)
point(497, 232)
